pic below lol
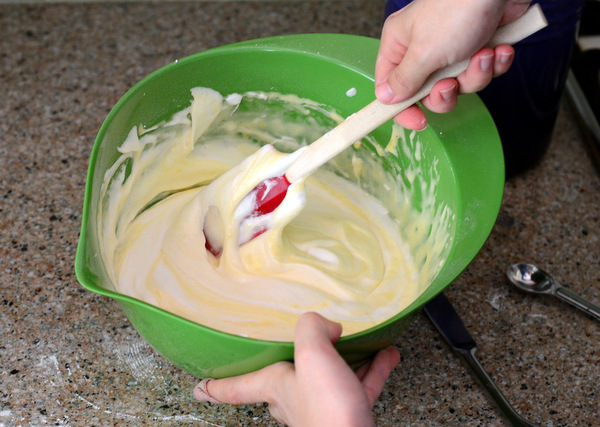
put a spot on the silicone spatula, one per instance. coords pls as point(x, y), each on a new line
point(270, 193)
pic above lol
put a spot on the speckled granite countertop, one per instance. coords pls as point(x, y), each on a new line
point(69, 357)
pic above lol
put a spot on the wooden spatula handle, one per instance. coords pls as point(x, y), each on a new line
point(370, 117)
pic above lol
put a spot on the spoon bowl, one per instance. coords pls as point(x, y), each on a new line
point(530, 278)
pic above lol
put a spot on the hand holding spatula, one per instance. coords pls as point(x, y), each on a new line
point(270, 193)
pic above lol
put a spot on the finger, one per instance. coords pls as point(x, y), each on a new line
point(504, 56)
point(412, 118)
point(383, 364)
point(486, 64)
point(363, 369)
point(443, 96)
point(202, 394)
point(255, 387)
point(479, 72)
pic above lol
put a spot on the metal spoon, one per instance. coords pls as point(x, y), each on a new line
point(532, 279)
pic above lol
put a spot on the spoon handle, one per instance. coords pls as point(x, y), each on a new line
point(575, 300)
point(488, 383)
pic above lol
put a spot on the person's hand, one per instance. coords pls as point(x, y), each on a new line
point(428, 35)
point(318, 389)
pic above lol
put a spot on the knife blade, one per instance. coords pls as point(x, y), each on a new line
point(447, 321)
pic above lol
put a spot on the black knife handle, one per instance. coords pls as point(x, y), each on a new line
point(447, 321)
point(490, 386)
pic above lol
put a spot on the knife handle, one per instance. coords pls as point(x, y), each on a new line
point(490, 386)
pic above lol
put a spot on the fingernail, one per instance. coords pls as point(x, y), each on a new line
point(392, 349)
point(201, 392)
point(505, 57)
point(384, 93)
point(485, 62)
point(448, 94)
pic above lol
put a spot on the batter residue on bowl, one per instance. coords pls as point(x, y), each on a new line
point(345, 242)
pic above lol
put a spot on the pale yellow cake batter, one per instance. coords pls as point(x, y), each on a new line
point(332, 247)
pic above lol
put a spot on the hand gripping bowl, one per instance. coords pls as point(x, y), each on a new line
point(321, 67)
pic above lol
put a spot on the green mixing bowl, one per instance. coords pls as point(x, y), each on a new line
point(321, 67)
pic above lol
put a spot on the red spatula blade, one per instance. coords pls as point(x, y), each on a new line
point(269, 194)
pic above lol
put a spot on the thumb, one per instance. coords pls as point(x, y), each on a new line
point(405, 79)
point(314, 353)
point(314, 328)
